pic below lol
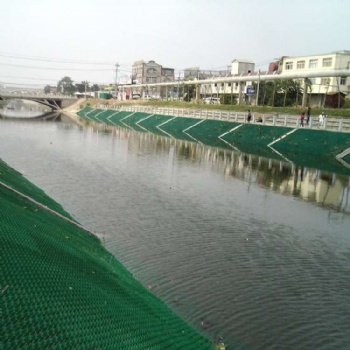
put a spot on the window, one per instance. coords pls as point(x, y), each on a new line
point(327, 62)
point(222, 84)
point(313, 63)
point(312, 81)
point(342, 80)
point(325, 81)
point(289, 65)
point(215, 84)
point(300, 64)
point(151, 80)
point(229, 84)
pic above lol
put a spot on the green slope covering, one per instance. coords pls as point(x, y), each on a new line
point(15, 180)
point(82, 113)
point(116, 119)
point(176, 127)
point(92, 115)
point(60, 289)
point(102, 117)
point(253, 139)
point(325, 143)
point(248, 138)
point(259, 135)
point(151, 123)
point(208, 132)
point(134, 119)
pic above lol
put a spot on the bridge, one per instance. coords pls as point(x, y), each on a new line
point(55, 102)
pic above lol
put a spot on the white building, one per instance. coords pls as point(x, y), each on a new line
point(238, 68)
point(320, 87)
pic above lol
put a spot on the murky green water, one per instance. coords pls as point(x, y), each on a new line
point(244, 248)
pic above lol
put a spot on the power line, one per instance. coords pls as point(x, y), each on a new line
point(28, 78)
point(42, 59)
point(45, 68)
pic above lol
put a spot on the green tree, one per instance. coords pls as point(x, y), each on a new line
point(65, 86)
point(47, 89)
point(280, 93)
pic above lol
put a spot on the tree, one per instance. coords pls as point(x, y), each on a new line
point(47, 89)
point(66, 86)
point(280, 93)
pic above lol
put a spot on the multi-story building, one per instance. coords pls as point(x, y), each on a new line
point(243, 90)
point(319, 88)
point(151, 73)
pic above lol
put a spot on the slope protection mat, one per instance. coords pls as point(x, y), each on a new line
point(323, 143)
point(15, 180)
point(177, 126)
point(153, 121)
point(61, 289)
point(208, 132)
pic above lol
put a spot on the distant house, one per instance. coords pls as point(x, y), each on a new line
point(150, 73)
point(239, 67)
point(320, 87)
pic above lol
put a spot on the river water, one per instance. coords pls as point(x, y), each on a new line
point(248, 250)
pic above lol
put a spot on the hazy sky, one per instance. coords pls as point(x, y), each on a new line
point(36, 36)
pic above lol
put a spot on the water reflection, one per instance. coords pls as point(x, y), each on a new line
point(313, 185)
point(18, 108)
point(205, 229)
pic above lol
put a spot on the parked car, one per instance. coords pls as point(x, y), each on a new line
point(211, 100)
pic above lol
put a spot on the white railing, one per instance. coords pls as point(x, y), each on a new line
point(293, 121)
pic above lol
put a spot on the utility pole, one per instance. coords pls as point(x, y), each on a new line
point(116, 79)
point(257, 92)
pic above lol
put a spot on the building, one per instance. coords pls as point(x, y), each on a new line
point(242, 91)
point(320, 88)
point(151, 73)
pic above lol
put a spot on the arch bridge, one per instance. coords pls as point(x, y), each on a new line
point(55, 102)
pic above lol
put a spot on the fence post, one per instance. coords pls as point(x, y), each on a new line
point(264, 119)
point(236, 117)
point(341, 125)
point(286, 120)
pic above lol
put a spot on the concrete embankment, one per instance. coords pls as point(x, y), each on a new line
point(321, 149)
point(61, 289)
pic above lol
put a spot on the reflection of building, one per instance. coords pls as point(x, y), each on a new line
point(320, 87)
point(151, 73)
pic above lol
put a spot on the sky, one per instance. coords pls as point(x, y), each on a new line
point(43, 41)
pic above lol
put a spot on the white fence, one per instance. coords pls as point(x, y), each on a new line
point(293, 121)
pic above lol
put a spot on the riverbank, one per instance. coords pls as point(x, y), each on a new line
point(61, 288)
point(315, 148)
point(315, 111)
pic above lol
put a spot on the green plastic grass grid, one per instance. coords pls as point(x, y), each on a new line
point(62, 289)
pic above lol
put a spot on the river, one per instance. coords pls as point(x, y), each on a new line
point(248, 250)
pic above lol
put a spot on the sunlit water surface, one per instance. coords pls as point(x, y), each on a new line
point(249, 251)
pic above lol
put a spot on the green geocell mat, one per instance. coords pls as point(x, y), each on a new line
point(117, 119)
point(103, 117)
point(176, 127)
point(15, 180)
point(60, 288)
point(298, 147)
point(82, 113)
point(324, 143)
point(92, 115)
point(153, 121)
point(208, 132)
point(253, 139)
point(347, 158)
point(133, 119)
